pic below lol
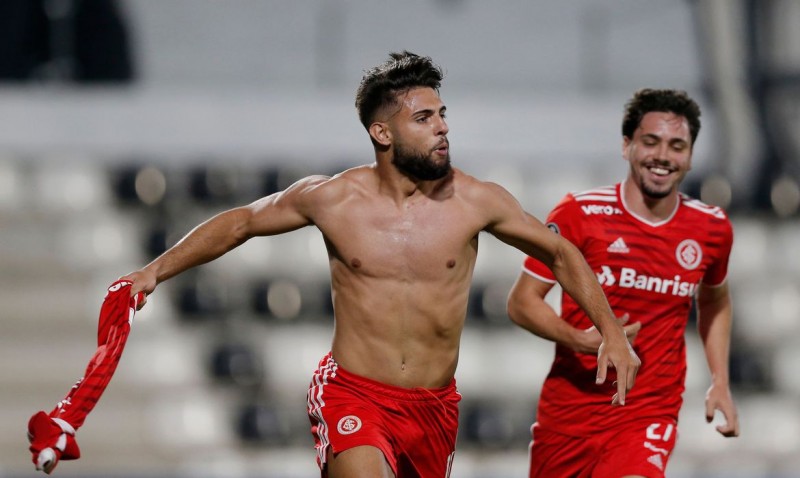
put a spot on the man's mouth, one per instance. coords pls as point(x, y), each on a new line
point(659, 170)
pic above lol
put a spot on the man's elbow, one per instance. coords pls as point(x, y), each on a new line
point(243, 225)
point(516, 308)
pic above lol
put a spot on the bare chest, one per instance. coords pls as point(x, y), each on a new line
point(413, 243)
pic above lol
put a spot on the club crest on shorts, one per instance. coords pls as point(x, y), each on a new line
point(689, 254)
point(349, 424)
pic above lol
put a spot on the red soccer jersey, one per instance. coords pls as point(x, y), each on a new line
point(648, 270)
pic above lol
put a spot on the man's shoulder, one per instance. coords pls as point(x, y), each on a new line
point(698, 207)
point(459, 176)
point(470, 187)
point(596, 202)
point(341, 183)
point(598, 195)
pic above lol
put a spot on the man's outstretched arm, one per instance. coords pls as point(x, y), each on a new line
point(275, 214)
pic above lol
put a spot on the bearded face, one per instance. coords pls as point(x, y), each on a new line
point(426, 165)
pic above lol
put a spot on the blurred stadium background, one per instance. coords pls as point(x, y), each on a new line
point(123, 124)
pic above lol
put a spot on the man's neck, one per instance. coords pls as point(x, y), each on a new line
point(400, 187)
point(648, 208)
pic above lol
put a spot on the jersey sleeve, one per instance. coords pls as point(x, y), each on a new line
point(561, 220)
point(718, 270)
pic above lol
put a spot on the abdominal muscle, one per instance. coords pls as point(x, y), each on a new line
point(401, 334)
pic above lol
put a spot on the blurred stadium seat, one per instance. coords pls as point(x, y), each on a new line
point(203, 298)
point(263, 424)
point(237, 364)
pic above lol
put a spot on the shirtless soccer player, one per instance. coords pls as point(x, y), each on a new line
point(402, 239)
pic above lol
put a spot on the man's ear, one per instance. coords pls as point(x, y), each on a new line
point(626, 141)
point(380, 133)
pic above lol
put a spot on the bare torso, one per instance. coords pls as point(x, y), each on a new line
point(400, 274)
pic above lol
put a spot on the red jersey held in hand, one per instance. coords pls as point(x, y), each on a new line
point(57, 434)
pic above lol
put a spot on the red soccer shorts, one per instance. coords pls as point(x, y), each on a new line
point(414, 428)
point(641, 447)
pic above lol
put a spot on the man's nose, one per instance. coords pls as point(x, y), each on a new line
point(442, 127)
point(663, 152)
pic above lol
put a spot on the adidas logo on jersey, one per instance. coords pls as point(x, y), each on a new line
point(656, 461)
point(619, 247)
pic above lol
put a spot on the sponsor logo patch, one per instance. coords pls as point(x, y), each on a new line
point(606, 277)
point(591, 209)
point(629, 278)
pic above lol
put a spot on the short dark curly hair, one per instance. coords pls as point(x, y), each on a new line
point(380, 85)
point(668, 101)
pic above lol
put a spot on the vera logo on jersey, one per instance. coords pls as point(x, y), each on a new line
point(689, 254)
point(629, 278)
point(590, 209)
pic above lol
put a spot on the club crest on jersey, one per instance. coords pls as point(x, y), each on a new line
point(348, 425)
point(689, 254)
